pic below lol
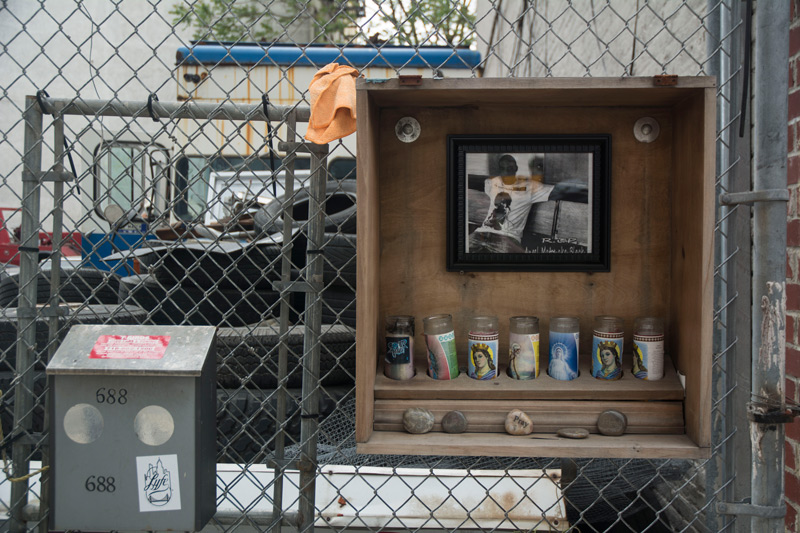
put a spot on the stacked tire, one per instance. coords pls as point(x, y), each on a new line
point(338, 247)
point(76, 285)
point(249, 357)
point(246, 421)
point(187, 303)
point(219, 285)
point(339, 276)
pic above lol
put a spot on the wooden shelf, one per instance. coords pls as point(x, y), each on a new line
point(488, 416)
point(651, 407)
point(584, 387)
point(661, 257)
point(536, 445)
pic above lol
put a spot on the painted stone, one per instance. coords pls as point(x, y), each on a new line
point(454, 422)
point(612, 423)
point(518, 423)
point(417, 420)
point(573, 433)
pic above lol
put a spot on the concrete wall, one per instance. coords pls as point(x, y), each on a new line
point(94, 49)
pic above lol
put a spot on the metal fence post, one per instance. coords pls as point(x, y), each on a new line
point(309, 412)
point(731, 381)
point(286, 253)
point(769, 264)
point(26, 338)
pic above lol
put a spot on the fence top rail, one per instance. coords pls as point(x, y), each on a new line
point(153, 108)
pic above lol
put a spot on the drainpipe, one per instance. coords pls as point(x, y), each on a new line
point(770, 115)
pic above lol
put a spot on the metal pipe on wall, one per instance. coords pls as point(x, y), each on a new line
point(770, 115)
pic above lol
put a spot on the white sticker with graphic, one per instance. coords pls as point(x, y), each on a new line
point(159, 485)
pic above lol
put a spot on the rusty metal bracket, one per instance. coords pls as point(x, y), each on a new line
point(749, 509)
point(411, 79)
point(750, 197)
point(306, 465)
point(665, 80)
point(771, 417)
point(762, 413)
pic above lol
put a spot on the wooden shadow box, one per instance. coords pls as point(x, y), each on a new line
point(661, 264)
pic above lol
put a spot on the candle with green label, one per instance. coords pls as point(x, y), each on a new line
point(440, 339)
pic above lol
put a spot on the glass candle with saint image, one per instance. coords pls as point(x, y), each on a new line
point(399, 360)
point(440, 339)
point(523, 347)
point(483, 346)
point(648, 348)
point(564, 343)
point(607, 343)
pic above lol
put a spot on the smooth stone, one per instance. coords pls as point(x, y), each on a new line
point(454, 422)
point(612, 423)
point(518, 423)
point(417, 420)
point(572, 433)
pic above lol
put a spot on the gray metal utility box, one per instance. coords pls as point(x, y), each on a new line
point(133, 428)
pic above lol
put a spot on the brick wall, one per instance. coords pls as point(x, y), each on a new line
point(793, 276)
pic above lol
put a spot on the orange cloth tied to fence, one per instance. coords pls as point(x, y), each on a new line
point(333, 103)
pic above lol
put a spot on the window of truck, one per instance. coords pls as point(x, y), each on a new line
point(131, 175)
point(193, 175)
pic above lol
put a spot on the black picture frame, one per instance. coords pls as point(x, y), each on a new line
point(553, 216)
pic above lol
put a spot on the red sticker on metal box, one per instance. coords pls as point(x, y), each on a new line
point(130, 347)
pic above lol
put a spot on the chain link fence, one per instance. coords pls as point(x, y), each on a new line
point(179, 192)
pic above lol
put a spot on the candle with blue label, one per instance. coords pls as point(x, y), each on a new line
point(399, 363)
point(607, 342)
point(483, 344)
point(564, 343)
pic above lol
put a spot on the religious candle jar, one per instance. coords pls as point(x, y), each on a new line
point(607, 342)
point(483, 342)
point(523, 347)
point(399, 362)
point(564, 342)
point(648, 348)
point(440, 339)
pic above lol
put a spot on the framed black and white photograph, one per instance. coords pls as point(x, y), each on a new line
point(528, 203)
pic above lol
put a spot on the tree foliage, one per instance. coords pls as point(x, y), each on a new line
point(400, 22)
point(266, 20)
point(429, 22)
point(224, 20)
